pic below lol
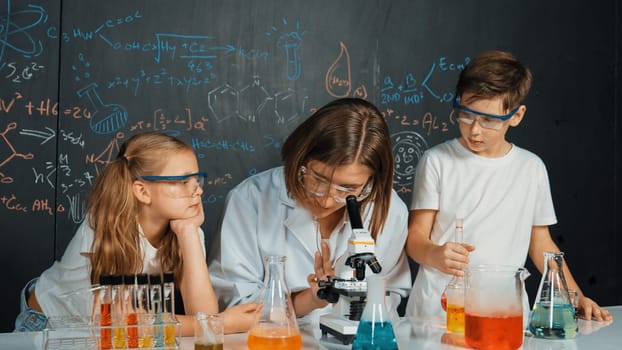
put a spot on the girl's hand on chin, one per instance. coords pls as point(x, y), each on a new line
point(188, 225)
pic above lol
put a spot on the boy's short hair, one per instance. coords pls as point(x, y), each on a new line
point(495, 74)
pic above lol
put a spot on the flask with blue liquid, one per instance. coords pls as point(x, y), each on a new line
point(553, 315)
point(375, 330)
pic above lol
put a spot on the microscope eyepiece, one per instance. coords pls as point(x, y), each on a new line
point(353, 212)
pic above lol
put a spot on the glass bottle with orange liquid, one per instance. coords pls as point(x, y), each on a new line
point(275, 327)
point(452, 299)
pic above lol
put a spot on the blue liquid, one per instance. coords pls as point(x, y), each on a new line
point(374, 336)
point(158, 337)
point(563, 324)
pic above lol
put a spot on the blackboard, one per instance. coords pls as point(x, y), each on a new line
point(233, 78)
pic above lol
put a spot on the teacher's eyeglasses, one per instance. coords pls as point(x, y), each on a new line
point(320, 187)
point(179, 186)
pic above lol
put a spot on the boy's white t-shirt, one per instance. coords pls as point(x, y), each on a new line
point(499, 199)
point(64, 288)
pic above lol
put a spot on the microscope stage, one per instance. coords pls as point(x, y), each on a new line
point(341, 328)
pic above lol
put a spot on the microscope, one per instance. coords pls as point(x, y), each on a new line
point(348, 290)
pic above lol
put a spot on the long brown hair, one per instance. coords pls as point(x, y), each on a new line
point(342, 132)
point(112, 208)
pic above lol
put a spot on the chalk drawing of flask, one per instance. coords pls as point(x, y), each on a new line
point(105, 118)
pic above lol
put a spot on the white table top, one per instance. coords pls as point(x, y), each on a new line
point(430, 334)
point(410, 333)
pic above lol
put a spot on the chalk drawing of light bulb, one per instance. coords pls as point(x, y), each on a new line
point(105, 118)
point(408, 147)
point(291, 42)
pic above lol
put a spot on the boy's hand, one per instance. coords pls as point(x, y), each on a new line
point(451, 258)
point(589, 310)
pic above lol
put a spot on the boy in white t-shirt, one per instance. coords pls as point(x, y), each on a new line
point(500, 190)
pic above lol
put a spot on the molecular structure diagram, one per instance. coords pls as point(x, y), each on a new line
point(6, 157)
point(253, 102)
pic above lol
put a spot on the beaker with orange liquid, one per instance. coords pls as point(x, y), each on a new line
point(275, 327)
point(494, 306)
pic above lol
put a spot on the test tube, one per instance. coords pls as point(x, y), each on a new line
point(145, 333)
point(168, 311)
point(105, 311)
point(118, 317)
point(130, 306)
point(155, 296)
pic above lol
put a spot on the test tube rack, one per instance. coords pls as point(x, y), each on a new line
point(79, 333)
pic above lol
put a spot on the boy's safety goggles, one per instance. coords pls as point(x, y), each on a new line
point(486, 120)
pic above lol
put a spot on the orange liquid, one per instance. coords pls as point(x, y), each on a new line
point(169, 335)
point(444, 301)
point(494, 333)
point(145, 342)
point(119, 338)
point(132, 332)
point(105, 320)
point(274, 339)
point(455, 318)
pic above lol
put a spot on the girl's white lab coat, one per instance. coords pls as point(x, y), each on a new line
point(261, 219)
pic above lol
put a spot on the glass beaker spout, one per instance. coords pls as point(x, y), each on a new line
point(553, 315)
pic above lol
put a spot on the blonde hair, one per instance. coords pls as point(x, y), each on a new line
point(112, 208)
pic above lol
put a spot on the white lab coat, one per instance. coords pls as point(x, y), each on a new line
point(261, 219)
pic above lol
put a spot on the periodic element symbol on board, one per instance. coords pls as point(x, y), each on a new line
point(105, 118)
point(408, 147)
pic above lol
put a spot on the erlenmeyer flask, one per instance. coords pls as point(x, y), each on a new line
point(275, 327)
point(553, 315)
point(375, 330)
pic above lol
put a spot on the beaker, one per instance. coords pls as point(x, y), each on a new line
point(375, 330)
point(494, 306)
point(275, 326)
point(209, 333)
point(553, 315)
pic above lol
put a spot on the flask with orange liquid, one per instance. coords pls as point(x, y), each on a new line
point(452, 299)
point(275, 327)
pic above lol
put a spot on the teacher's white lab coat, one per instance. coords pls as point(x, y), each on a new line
point(261, 219)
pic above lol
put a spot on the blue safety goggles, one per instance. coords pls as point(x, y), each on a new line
point(504, 117)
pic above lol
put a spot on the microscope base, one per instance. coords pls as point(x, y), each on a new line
point(341, 328)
